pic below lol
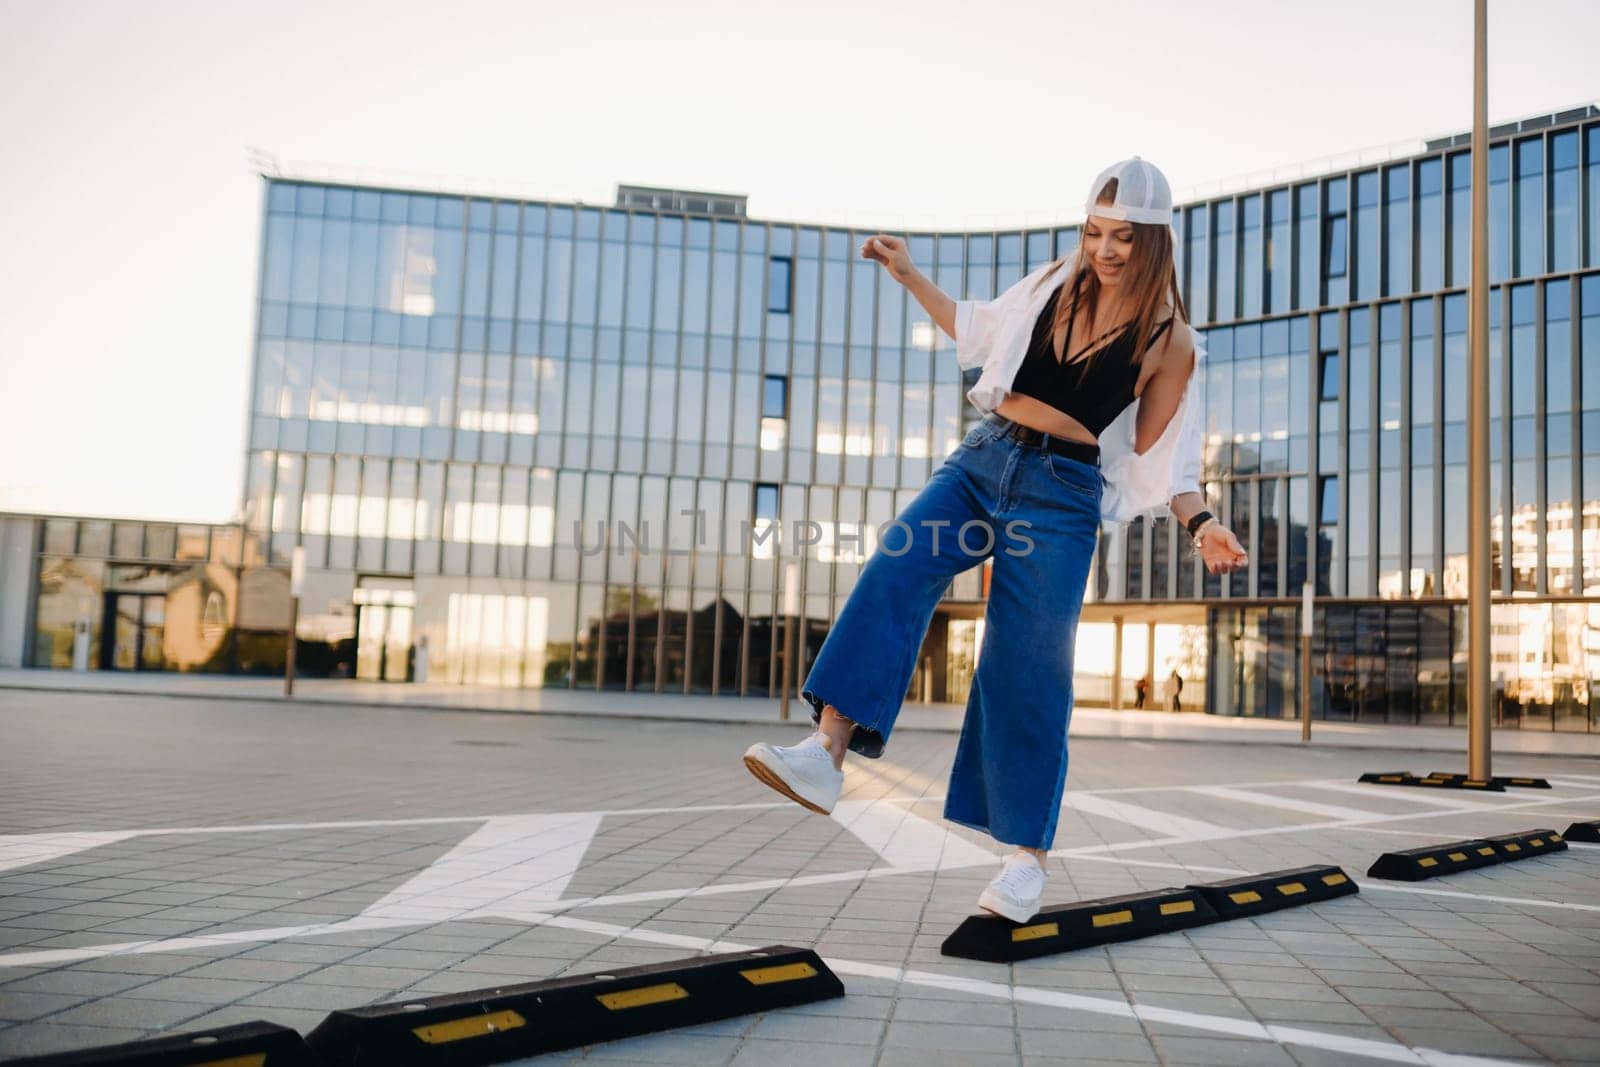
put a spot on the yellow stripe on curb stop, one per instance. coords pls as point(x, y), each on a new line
point(1034, 933)
point(1177, 907)
point(255, 1059)
point(789, 972)
point(1427, 861)
point(1334, 879)
point(472, 1026)
point(1249, 896)
point(1113, 918)
point(643, 996)
point(1289, 889)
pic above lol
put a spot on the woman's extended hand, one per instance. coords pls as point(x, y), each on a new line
point(891, 252)
point(1221, 550)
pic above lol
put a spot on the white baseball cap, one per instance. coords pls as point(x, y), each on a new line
point(1143, 194)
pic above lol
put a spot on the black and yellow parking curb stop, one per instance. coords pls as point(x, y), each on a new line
point(1586, 832)
point(1431, 861)
point(1064, 927)
point(1456, 781)
point(509, 1022)
point(256, 1044)
point(1256, 894)
point(1500, 780)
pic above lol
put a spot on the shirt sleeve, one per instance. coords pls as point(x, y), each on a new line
point(1187, 464)
point(978, 321)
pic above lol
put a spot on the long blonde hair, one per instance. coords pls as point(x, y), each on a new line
point(1152, 278)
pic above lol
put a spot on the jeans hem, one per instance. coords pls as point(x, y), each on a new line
point(865, 741)
point(984, 829)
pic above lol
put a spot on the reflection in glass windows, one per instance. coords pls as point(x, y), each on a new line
point(1335, 245)
point(1225, 269)
point(1430, 225)
point(1397, 223)
point(1365, 239)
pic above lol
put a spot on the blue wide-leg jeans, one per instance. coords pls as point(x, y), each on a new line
point(1036, 514)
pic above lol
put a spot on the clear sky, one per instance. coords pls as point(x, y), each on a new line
point(130, 213)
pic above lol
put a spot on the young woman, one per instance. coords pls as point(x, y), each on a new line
point(1089, 389)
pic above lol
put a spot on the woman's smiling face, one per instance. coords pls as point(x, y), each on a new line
point(1108, 243)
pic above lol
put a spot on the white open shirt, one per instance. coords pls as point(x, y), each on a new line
point(995, 334)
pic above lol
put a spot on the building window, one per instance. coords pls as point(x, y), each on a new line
point(1328, 508)
point(1329, 388)
point(1563, 200)
point(775, 397)
point(1530, 207)
point(1335, 242)
point(780, 284)
point(1397, 221)
point(1430, 225)
point(1307, 209)
point(766, 503)
point(774, 412)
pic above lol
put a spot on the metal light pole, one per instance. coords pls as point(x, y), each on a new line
point(1308, 599)
point(791, 607)
point(1478, 762)
point(297, 581)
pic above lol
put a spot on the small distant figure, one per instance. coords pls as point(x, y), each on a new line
point(1174, 687)
point(1141, 690)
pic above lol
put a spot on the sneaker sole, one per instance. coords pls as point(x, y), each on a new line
point(995, 906)
point(765, 774)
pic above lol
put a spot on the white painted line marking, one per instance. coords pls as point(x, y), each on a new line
point(1218, 1024)
point(1287, 803)
point(1156, 863)
point(1527, 901)
point(1144, 818)
point(514, 861)
point(1231, 835)
point(24, 850)
point(1410, 794)
point(906, 840)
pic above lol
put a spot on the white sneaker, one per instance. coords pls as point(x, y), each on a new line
point(1014, 894)
point(803, 772)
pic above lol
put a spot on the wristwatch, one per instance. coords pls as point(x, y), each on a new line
point(1195, 525)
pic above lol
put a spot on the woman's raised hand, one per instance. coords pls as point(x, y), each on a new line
point(891, 252)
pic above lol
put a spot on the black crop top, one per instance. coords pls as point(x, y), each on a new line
point(1095, 389)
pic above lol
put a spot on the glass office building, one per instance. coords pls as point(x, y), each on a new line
point(560, 445)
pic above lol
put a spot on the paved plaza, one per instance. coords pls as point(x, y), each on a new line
point(171, 865)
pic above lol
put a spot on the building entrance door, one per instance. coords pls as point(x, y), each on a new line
point(137, 624)
point(383, 642)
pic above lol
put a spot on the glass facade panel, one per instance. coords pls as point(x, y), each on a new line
point(1335, 242)
point(1530, 206)
point(1307, 246)
point(1366, 241)
point(1430, 225)
point(1252, 247)
point(1562, 198)
point(1459, 207)
point(1279, 257)
point(1225, 267)
point(1198, 274)
point(1499, 212)
point(1591, 199)
point(1397, 224)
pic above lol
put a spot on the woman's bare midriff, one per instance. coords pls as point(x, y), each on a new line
point(1038, 415)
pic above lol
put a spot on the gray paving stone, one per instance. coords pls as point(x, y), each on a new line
point(1385, 967)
